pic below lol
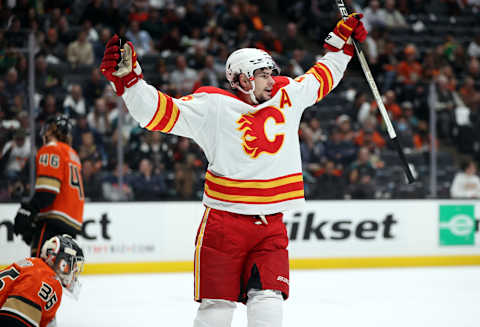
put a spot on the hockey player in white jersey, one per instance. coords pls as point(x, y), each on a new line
point(250, 139)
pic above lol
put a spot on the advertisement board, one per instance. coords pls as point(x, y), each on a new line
point(159, 236)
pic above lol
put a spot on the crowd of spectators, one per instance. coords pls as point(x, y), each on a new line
point(182, 45)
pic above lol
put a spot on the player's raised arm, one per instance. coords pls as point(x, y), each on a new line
point(329, 70)
point(153, 109)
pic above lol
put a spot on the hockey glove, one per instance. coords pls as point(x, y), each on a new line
point(24, 224)
point(339, 38)
point(120, 66)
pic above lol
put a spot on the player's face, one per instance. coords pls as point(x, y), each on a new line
point(263, 84)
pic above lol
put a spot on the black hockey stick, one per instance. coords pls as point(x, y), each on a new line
point(408, 168)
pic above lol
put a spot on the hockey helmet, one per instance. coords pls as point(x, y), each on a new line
point(65, 257)
point(246, 61)
point(60, 125)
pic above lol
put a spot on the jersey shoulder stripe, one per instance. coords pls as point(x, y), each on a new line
point(280, 81)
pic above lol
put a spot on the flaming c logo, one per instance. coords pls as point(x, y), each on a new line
point(255, 141)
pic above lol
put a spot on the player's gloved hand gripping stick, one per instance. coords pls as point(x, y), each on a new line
point(343, 31)
point(119, 64)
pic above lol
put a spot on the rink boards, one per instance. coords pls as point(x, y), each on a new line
point(159, 236)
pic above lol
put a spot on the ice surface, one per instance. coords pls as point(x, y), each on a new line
point(405, 297)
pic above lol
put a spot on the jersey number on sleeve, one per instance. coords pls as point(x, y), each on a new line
point(12, 273)
point(76, 181)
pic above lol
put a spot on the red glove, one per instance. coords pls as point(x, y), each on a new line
point(338, 39)
point(120, 66)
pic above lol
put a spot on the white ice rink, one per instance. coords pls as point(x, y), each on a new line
point(405, 297)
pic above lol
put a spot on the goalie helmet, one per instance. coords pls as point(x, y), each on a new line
point(246, 61)
point(65, 257)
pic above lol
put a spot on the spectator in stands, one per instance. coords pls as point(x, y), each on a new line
point(255, 19)
point(233, 18)
point(99, 118)
point(92, 34)
point(99, 45)
point(88, 150)
point(148, 185)
point(393, 108)
point(409, 72)
point(421, 137)
point(474, 70)
point(196, 38)
point(208, 75)
point(369, 134)
point(140, 38)
point(96, 12)
point(444, 101)
point(339, 151)
point(430, 66)
point(74, 103)
point(187, 166)
point(80, 51)
point(111, 188)
point(183, 77)
point(13, 87)
point(14, 35)
point(292, 40)
point(196, 59)
point(161, 77)
point(8, 55)
point(154, 25)
point(46, 80)
point(53, 48)
point(466, 183)
point(361, 173)
point(242, 38)
point(363, 107)
point(92, 183)
point(330, 184)
point(93, 87)
point(312, 149)
point(171, 41)
point(269, 41)
point(469, 94)
point(65, 34)
point(474, 47)
point(374, 16)
point(15, 155)
point(344, 124)
point(48, 108)
point(22, 68)
point(393, 17)
point(407, 109)
point(194, 17)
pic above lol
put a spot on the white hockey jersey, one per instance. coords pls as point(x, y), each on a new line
point(253, 151)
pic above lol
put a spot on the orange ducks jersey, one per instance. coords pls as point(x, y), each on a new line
point(59, 171)
point(30, 292)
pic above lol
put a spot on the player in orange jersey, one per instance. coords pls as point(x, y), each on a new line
point(57, 205)
point(31, 289)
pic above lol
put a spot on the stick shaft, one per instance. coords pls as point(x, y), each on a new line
point(381, 106)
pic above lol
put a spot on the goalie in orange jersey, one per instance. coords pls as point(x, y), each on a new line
point(31, 289)
point(57, 205)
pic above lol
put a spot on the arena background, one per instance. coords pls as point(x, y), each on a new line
point(144, 189)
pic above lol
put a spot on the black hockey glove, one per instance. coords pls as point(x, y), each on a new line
point(24, 224)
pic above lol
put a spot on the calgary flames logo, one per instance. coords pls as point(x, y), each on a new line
point(255, 141)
